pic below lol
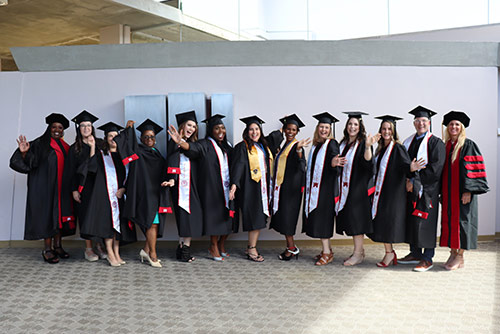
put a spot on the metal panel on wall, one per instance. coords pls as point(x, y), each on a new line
point(140, 107)
point(223, 104)
point(182, 102)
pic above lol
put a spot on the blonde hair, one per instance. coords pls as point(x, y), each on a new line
point(460, 140)
point(317, 138)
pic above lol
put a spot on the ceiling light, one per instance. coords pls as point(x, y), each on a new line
point(4, 2)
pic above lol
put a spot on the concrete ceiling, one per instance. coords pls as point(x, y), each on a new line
point(77, 22)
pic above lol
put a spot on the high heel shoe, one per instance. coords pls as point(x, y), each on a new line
point(215, 258)
point(53, 259)
point(90, 255)
point(394, 261)
point(253, 257)
point(186, 254)
point(324, 259)
point(350, 262)
point(317, 257)
point(293, 252)
point(144, 255)
point(456, 263)
point(113, 264)
point(61, 253)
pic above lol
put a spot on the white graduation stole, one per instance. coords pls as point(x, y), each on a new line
point(422, 152)
point(224, 170)
point(184, 183)
point(312, 190)
point(112, 187)
point(380, 177)
point(263, 180)
point(345, 177)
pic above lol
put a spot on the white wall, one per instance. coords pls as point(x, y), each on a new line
point(270, 92)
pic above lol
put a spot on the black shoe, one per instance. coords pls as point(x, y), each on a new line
point(186, 254)
point(178, 252)
point(61, 253)
point(293, 252)
point(52, 259)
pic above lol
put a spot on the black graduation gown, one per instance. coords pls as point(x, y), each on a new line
point(389, 224)
point(98, 218)
point(146, 173)
point(460, 221)
point(355, 218)
point(75, 181)
point(216, 218)
point(319, 223)
point(188, 224)
point(285, 219)
point(44, 215)
point(248, 194)
point(422, 212)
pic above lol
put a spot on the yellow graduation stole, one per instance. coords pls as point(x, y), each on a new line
point(280, 170)
point(253, 161)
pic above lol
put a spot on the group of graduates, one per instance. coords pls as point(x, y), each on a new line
point(390, 194)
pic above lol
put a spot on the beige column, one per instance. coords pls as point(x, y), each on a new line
point(115, 34)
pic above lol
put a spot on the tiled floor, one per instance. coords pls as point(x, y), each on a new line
point(239, 296)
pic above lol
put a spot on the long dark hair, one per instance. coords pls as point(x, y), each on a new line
point(361, 134)
point(250, 142)
point(79, 139)
point(395, 137)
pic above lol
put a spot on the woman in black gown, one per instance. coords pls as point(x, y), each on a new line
point(250, 175)
point(321, 186)
point(392, 164)
point(288, 184)
point(43, 159)
point(354, 204)
point(183, 175)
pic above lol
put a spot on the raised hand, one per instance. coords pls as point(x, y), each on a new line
point(303, 143)
point(130, 123)
point(23, 144)
point(370, 140)
point(91, 141)
point(417, 165)
point(338, 161)
point(176, 136)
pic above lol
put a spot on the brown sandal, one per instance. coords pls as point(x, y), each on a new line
point(324, 259)
point(317, 257)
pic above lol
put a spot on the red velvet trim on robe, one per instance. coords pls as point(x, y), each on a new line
point(60, 167)
point(450, 226)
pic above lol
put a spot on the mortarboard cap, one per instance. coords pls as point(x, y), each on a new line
point(149, 125)
point(456, 116)
point(420, 111)
point(389, 118)
point(355, 114)
point(186, 116)
point(252, 119)
point(325, 117)
point(109, 127)
point(214, 120)
point(84, 116)
point(292, 119)
point(57, 118)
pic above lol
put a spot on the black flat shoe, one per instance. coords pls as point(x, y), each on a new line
point(52, 259)
point(61, 253)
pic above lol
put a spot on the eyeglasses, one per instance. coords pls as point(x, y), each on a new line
point(149, 137)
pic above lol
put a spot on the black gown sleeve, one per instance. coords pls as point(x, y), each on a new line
point(23, 165)
point(274, 140)
point(237, 170)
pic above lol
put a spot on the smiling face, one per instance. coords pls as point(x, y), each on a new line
point(110, 141)
point(353, 128)
point(219, 132)
point(254, 132)
point(454, 128)
point(189, 128)
point(324, 130)
point(85, 129)
point(148, 138)
point(422, 125)
point(291, 131)
point(386, 132)
point(56, 130)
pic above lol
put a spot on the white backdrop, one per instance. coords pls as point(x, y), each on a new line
point(270, 92)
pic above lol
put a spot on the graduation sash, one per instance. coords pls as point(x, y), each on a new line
point(422, 152)
point(224, 170)
point(112, 187)
point(280, 164)
point(254, 162)
point(380, 177)
point(313, 185)
point(345, 177)
point(184, 183)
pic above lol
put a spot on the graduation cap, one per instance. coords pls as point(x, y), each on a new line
point(214, 120)
point(292, 119)
point(420, 111)
point(149, 125)
point(252, 119)
point(57, 118)
point(456, 116)
point(186, 116)
point(110, 127)
point(355, 114)
point(84, 116)
point(389, 118)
